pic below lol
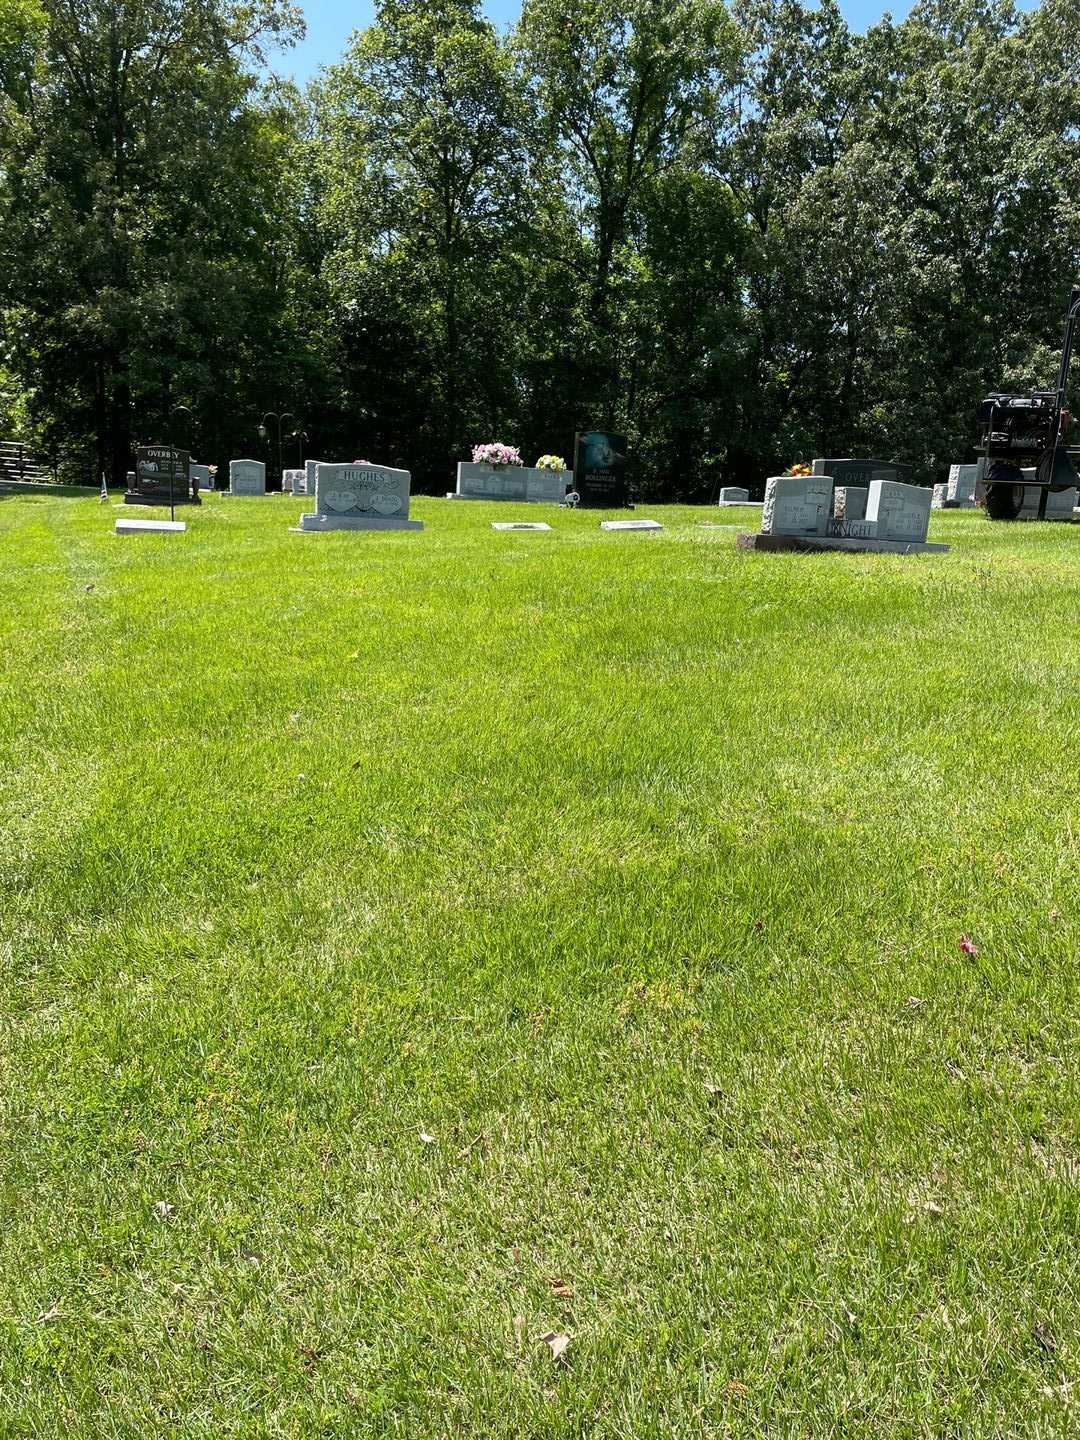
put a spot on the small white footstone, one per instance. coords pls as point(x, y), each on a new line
point(630, 525)
point(142, 527)
point(519, 525)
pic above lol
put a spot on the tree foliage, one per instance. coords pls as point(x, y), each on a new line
point(738, 232)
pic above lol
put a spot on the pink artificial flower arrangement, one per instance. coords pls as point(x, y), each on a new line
point(496, 454)
point(361, 462)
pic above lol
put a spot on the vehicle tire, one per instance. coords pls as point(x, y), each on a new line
point(1004, 502)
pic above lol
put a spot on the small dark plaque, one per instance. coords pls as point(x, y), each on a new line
point(600, 470)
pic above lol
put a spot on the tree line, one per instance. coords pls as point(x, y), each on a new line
point(740, 234)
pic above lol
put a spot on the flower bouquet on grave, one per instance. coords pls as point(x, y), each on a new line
point(800, 469)
point(495, 454)
point(551, 462)
point(361, 462)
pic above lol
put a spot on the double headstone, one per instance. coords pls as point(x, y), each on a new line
point(247, 477)
point(511, 482)
point(360, 497)
point(798, 513)
point(292, 482)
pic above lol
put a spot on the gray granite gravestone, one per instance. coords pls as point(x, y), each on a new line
point(734, 495)
point(247, 477)
point(797, 505)
point(292, 482)
point(899, 512)
point(519, 525)
point(938, 497)
point(960, 493)
point(360, 497)
point(202, 474)
point(511, 482)
point(310, 470)
point(850, 502)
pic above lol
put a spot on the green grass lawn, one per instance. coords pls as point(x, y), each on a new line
point(416, 944)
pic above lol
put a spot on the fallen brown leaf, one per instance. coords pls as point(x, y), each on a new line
point(556, 1343)
point(560, 1287)
point(52, 1313)
point(736, 1387)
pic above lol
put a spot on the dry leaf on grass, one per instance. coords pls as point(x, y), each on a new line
point(1045, 1337)
point(52, 1313)
point(736, 1387)
point(163, 1210)
point(556, 1343)
point(559, 1287)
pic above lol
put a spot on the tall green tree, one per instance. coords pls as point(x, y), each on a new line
point(129, 199)
point(423, 129)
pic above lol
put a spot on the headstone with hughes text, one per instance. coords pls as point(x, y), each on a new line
point(247, 477)
point(360, 497)
point(600, 477)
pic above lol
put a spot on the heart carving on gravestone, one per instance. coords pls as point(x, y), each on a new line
point(339, 500)
point(386, 504)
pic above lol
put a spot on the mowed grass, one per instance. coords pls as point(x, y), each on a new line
point(418, 944)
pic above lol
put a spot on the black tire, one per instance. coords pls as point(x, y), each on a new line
point(1004, 502)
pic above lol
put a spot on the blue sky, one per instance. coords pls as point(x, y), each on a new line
point(331, 22)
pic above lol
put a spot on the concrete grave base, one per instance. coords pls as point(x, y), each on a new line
point(317, 524)
point(828, 542)
point(519, 525)
point(739, 504)
point(149, 527)
point(630, 525)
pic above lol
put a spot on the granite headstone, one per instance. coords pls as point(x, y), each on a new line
point(600, 477)
point(247, 477)
point(360, 497)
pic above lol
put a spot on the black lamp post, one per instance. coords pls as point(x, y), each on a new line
point(264, 434)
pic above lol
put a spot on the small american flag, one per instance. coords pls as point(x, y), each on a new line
point(104, 489)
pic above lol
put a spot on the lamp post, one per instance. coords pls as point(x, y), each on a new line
point(180, 410)
point(264, 433)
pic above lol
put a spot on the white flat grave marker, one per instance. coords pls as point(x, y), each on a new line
point(142, 527)
point(519, 525)
point(630, 525)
